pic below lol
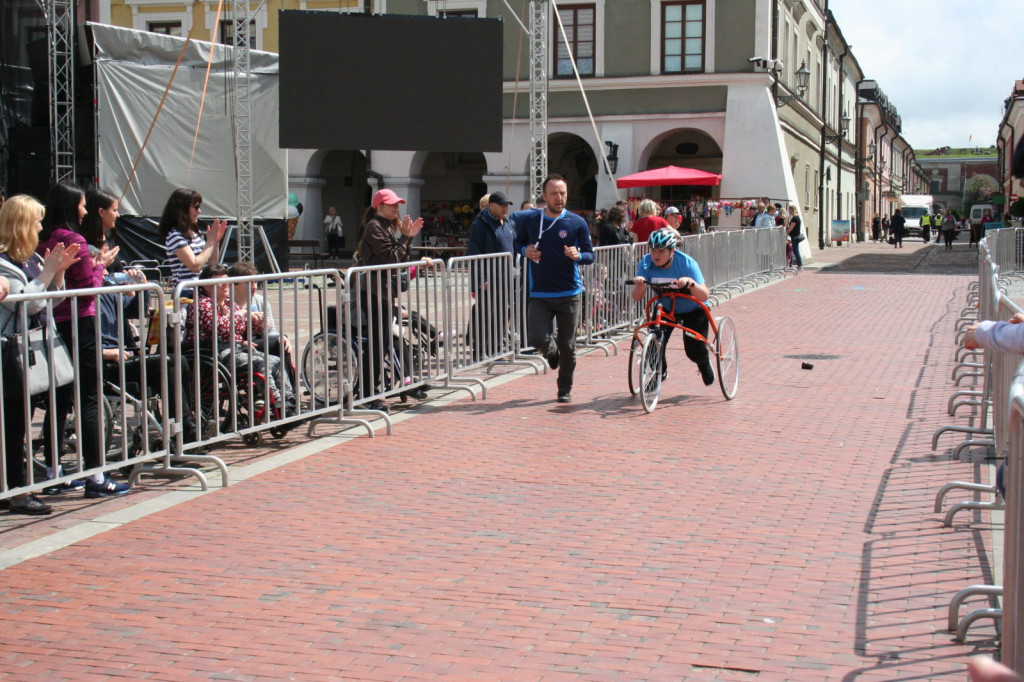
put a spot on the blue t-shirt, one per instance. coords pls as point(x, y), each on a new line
point(682, 265)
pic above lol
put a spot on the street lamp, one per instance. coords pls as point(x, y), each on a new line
point(613, 156)
point(844, 125)
point(803, 79)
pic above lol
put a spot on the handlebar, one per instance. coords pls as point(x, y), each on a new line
point(663, 288)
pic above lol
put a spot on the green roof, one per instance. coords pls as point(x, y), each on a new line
point(949, 152)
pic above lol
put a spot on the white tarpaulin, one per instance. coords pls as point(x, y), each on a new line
point(132, 71)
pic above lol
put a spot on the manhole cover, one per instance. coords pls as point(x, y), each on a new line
point(813, 356)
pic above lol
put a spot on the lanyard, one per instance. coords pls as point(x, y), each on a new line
point(545, 229)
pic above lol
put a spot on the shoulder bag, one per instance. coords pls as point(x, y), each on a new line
point(30, 357)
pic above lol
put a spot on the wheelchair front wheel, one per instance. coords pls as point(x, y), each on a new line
point(727, 352)
point(650, 372)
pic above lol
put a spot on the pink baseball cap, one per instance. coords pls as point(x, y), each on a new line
point(386, 196)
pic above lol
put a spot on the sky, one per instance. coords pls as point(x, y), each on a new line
point(946, 65)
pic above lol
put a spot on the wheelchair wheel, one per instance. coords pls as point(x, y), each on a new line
point(650, 372)
point(635, 361)
point(727, 350)
point(216, 398)
point(322, 365)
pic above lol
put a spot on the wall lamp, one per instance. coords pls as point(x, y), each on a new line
point(613, 156)
point(803, 79)
point(844, 125)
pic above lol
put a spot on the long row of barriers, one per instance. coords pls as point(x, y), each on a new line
point(188, 369)
point(995, 396)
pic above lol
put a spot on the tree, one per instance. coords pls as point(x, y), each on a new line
point(979, 190)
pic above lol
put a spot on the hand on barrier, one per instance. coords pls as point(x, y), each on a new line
point(984, 669)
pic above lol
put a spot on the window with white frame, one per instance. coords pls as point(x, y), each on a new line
point(159, 22)
point(682, 36)
point(167, 28)
point(457, 8)
point(226, 34)
point(580, 30)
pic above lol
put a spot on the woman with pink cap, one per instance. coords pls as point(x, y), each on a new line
point(380, 246)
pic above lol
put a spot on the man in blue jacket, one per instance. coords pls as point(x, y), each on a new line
point(490, 280)
point(554, 243)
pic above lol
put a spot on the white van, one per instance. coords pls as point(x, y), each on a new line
point(912, 207)
point(978, 210)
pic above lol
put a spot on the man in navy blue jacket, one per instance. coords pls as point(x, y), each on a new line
point(490, 280)
point(554, 243)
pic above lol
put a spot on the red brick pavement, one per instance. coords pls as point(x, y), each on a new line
point(785, 535)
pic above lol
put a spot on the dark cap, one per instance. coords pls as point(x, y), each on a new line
point(498, 198)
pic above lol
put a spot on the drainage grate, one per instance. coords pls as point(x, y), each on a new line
point(813, 356)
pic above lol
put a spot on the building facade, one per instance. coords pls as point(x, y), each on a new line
point(765, 92)
point(1011, 133)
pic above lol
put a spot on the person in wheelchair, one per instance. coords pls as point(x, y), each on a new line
point(214, 313)
point(248, 295)
point(121, 344)
point(666, 265)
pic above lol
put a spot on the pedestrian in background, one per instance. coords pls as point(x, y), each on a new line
point(648, 222)
point(333, 232)
point(674, 218)
point(948, 228)
point(492, 232)
point(896, 225)
point(796, 235)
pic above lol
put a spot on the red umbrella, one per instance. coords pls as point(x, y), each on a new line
point(669, 175)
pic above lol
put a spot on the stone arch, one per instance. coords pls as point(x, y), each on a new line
point(344, 186)
point(687, 148)
point(573, 157)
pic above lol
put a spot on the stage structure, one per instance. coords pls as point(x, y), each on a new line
point(60, 27)
point(538, 96)
point(132, 70)
point(243, 137)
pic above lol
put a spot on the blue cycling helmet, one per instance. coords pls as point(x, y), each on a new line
point(665, 238)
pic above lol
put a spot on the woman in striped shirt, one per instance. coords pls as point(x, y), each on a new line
point(188, 250)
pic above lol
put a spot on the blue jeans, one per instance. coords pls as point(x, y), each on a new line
point(545, 314)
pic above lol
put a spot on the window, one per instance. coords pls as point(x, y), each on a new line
point(579, 29)
point(226, 35)
point(474, 9)
point(682, 41)
point(168, 28)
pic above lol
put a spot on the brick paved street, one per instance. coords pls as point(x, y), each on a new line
point(785, 535)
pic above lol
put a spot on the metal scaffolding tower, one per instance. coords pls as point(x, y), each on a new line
point(60, 29)
point(243, 131)
point(538, 96)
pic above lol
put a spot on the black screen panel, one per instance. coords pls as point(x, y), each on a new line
point(355, 81)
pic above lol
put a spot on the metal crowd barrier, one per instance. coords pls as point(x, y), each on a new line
point(1013, 549)
point(253, 384)
point(608, 307)
point(132, 387)
point(393, 313)
point(993, 405)
point(486, 313)
point(174, 402)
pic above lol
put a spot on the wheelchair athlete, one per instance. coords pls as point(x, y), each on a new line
point(667, 265)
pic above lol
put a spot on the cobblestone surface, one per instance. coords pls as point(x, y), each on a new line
point(785, 535)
